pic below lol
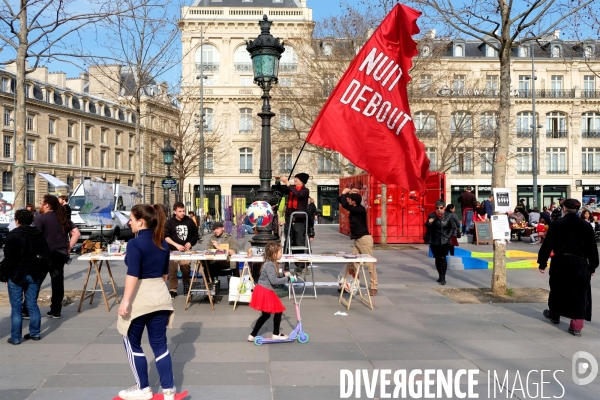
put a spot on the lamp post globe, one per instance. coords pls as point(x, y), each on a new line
point(265, 52)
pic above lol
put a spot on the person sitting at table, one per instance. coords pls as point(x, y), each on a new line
point(181, 233)
point(540, 231)
point(545, 214)
point(534, 216)
point(218, 240)
point(515, 219)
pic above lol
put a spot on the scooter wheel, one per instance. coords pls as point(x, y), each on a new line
point(258, 340)
point(303, 337)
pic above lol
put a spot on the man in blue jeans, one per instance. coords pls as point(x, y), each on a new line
point(26, 259)
point(468, 204)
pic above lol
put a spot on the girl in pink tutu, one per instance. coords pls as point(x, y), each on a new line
point(264, 297)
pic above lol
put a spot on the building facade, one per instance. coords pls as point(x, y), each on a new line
point(73, 132)
point(454, 106)
point(214, 35)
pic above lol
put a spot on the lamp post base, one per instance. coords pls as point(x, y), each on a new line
point(263, 237)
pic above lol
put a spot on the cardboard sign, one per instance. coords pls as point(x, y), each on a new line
point(502, 200)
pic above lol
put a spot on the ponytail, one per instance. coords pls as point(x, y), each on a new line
point(155, 219)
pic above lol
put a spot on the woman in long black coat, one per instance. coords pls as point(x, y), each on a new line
point(440, 227)
point(575, 261)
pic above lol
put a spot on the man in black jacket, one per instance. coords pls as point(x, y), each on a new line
point(26, 260)
point(297, 201)
point(363, 241)
point(181, 233)
point(574, 262)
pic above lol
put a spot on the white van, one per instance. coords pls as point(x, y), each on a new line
point(124, 201)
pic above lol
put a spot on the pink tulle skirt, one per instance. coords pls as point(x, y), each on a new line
point(266, 300)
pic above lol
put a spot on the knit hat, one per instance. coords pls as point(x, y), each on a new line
point(303, 177)
point(572, 204)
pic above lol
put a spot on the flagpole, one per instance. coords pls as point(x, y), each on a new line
point(296, 162)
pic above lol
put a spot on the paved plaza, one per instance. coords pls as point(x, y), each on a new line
point(81, 356)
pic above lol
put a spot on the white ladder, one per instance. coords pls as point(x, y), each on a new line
point(306, 249)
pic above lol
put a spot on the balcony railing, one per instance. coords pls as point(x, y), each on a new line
point(524, 171)
point(559, 134)
point(427, 133)
point(590, 94)
point(288, 67)
point(557, 171)
point(524, 133)
point(462, 170)
point(590, 134)
point(546, 93)
point(285, 170)
point(241, 67)
point(591, 171)
point(328, 171)
point(461, 133)
point(245, 171)
point(207, 67)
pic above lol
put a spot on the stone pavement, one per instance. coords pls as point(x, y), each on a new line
point(81, 356)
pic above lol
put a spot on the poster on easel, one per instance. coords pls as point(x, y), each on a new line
point(99, 201)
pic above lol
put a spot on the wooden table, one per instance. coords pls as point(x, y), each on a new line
point(327, 259)
point(96, 261)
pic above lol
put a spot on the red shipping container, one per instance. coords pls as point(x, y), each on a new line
point(406, 209)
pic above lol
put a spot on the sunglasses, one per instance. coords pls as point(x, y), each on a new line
point(440, 208)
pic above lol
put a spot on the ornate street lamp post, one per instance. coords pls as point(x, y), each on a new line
point(265, 51)
point(168, 157)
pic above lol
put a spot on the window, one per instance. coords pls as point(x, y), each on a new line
point(246, 81)
point(555, 52)
point(51, 123)
point(288, 61)
point(242, 62)
point(491, 83)
point(458, 51)
point(130, 182)
point(424, 124)
point(461, 124)
point(459, 82)
point(327, 50)
point(590, 125)
point(556, 125)
point(130, 163)
point(487, 160)
point(285, 161)
point(7, 146)
point(88, 132)
point(489, 51)
point(70, 154)
point(489, 124)
point(245, 160)
point(102, 135)
point(590, 160)
point(208, 119)
point(245, 120)
point(426, 83)
point(70, 128)
point(523, 51)
point(556, 160)
point(7, 117)
point(588, 52)
point(329, 163)
point(556, 82)
point(5, 85)
point(285, 81)
point(462, 161)
point(30, 122)
point(87, 160)
point(524, 124)
point(524, 85)
point(328, 84)
point(425, 51)
point(430, 151)
point(524, 160)
point(589, 86)
point(7, 178)
point(152, 192)
point(30, 189)
point(209, 161)
point(117, 160)
point(30, 150)
point(117, 138)
point(51, 152)
point(285, 119)
point(131, 140)
point(207, 58)
point(71, 182)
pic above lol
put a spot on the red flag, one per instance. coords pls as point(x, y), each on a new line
point(367, 116)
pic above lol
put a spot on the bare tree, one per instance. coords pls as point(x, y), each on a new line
point(34, 32)
point(143, 42)
point(503, 25)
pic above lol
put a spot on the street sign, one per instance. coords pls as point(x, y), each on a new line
point(169, 183)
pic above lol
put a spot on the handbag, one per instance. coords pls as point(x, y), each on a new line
point(282, 291)
point(453, 241)
point(243, 286)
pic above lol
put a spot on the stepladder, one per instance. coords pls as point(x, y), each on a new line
point(240, 287)
point(299, 242)
point(355, 287)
